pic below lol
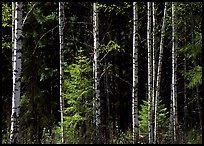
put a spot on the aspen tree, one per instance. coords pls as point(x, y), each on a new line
point(13, 31)
point(173, 74)
point(16, 74)
point(61, 42)
point(154, 68)
point(150, 127)
point(135, 122)
point(173, 101)
point(158, 81)
point(96, 73)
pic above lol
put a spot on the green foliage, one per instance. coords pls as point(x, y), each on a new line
point(143, 119)
point(46, 137)
point(194, 137)
point(162, 120)
point(194, 76)
point(193, 51)
point(111, 46)
point(40, 74)
point(78, 96)
point(47, 73)
point(6, 15)
point(5, 136)
point(122, 138)
point(118, 9)
point(5, 44)
point(6, 23)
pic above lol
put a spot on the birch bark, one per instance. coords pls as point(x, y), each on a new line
point(173, 74)
point(154, 68)
point(96, 72)
point(158, 82)
point(173, 106)
point(16, 75)
point(135, 123)
point(61, 41)
point(13, 31)
point(150, 126)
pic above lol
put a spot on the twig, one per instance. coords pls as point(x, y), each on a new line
point(28, 14)
point(43, 36)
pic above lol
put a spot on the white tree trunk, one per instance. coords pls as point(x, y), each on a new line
point(173, 106)
point(159, 70)
point(135, 122)
point(173, 74)
point(96, 72)
point(13, 31)
point(16, 75)
point(153, 67)
point(61, 39)
point(150, 126)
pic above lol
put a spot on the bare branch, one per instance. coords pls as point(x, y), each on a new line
point(28, 14)
point(43, 36)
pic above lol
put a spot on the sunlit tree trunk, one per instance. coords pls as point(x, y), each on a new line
point(96, 73)
point(173, 101)
point(135, 122)
point(16, 75)
point(154, 69)
point(158, 82)
point(13, 31)
point(173, 74)
point(150, 111)
point(61, 39)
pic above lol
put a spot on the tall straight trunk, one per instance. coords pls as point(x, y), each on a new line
point(153, 68)
point(174, 115)
point(158, 82)
point(135, 123)
point(96, 73)
point(149, 84)
point(16, 75)
point(13, 31)
point(61, 39)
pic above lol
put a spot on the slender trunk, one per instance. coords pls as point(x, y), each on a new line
point(150, 127)
point(16, 75)
point(173, 75)
point(153, 66)
point(96, 72)
point(173, 101)
point(61, 39)
point(13, 31)
point(158, 82)
point(135, 75)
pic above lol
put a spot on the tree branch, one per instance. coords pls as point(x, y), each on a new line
point(28, 14)
point(43, 36)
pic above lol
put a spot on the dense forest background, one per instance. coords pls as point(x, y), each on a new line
point(39, 120)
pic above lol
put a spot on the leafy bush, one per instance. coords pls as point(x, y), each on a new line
point(78, 96)
point(194, 137)
point(162, 121)
point(122, 137)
